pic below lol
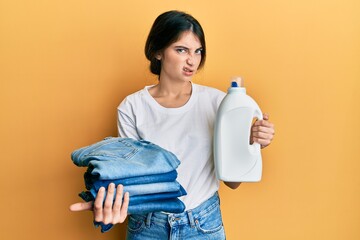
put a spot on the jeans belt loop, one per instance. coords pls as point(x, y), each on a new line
point(191, 218)
point(148, 219)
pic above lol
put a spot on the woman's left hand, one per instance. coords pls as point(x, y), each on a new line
point(262, 131)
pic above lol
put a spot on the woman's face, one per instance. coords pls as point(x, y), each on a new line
point(180, 61)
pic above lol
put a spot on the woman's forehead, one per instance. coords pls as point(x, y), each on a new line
point(188, 39)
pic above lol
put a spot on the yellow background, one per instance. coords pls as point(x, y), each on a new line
point(66, 65)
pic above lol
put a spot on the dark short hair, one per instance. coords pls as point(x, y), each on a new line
point(166, 30)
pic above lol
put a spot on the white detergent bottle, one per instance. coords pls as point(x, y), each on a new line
point(236, 160)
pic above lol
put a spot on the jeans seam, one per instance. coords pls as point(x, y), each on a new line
point(214, 230)
point(126, 156)
point(139, 229)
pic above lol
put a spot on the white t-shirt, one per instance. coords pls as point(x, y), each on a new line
point(186, 131)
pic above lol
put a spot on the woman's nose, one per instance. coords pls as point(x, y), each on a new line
point(190, 61)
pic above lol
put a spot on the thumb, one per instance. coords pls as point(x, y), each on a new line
point(81, 206)
point(266, 116)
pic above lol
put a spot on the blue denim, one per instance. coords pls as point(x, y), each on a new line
point(144, 189)
point(155, 178)
point(137, 199)
point(172, 205)
point(202, 222)
point(157, 196)
point(147, 171)
point(117, 158)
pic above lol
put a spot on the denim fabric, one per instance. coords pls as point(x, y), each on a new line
point(172, 205)
point(147, 171)
point(155, 178)
point(202, 222)
point(116, 158)
point(90, 196)
point(157, 196)
point(144, 189)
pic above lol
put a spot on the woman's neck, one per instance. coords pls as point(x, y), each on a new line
point(171, 95)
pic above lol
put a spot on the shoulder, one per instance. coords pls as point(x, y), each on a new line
point(133, 102)
point(209, 96)
point(136, 95)
point(209, 90)
point(135, 98)
point(209, 93)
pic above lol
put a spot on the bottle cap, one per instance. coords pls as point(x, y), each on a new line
point(237, 82)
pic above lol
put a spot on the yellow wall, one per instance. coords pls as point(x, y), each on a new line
point(66, 65)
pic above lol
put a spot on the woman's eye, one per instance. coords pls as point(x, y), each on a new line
point(199, 51)
point(181, 50)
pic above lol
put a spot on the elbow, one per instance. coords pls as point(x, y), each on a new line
point(233, 185)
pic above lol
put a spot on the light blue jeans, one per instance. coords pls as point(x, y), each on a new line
point(202, 222)
point(129, 160)
point(91, 182)
point(173, 205)
point(143, 189)
point(119, 158)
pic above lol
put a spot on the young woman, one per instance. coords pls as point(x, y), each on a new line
point(179, 116)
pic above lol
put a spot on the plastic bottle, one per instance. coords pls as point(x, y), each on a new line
point(236, 160)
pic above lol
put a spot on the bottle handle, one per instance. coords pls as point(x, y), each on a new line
point(256, 147)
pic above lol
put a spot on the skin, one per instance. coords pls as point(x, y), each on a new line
point(179, 63)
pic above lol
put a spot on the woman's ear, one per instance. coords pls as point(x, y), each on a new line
point(158, 56)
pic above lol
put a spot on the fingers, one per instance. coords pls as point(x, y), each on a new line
point(264, 123)
point(98, 205)
point(81, 206)
point(266, 116)
point(120, 207)
point(117, 204)
point(118, 199)
point(108, 205)
point(262, 138)
point(262, 142)
point(124, 208)
point(263, 131)
point(111, 211)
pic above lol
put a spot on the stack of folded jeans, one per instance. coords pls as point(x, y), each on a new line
point(147, 172)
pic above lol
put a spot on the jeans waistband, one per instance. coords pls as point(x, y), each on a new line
point(187, 217)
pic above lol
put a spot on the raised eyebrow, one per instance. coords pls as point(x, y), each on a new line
point(180, 46)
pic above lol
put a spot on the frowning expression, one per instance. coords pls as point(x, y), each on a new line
point(180, 60)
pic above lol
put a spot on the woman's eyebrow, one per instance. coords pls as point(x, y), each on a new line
point(181, 46)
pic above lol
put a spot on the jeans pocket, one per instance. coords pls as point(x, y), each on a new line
point(116, 148)
point(136, 223)
point(210, 222)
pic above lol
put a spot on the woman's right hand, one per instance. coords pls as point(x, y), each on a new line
point(109, 211)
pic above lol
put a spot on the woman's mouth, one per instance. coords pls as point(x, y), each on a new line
point(188, 71)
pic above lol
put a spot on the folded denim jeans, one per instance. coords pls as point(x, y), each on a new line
point(151, 188)
point(91, 182)
point(147, 171)
point(116, 158)
point(157, 196)
point(173, 205)
point(137, 199)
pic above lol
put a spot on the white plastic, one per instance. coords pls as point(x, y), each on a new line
point(236, 160)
